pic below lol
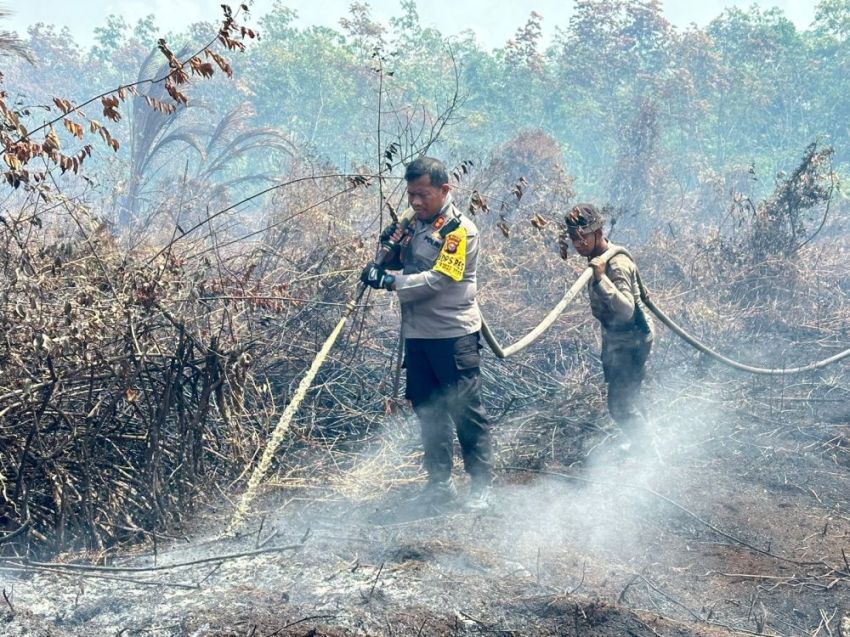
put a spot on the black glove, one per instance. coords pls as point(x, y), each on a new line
point(376, 276)
point(387, 232)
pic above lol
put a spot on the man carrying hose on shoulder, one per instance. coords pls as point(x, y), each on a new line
point(440, 322)
point(627, 329)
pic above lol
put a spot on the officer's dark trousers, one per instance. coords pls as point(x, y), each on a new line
point(444, 385)
point(624, 365)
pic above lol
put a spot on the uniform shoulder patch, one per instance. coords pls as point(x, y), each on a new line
point(452, 258)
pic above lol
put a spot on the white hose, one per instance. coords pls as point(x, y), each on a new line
point(551, 317)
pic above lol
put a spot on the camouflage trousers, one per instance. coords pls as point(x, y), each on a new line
point(624, 365)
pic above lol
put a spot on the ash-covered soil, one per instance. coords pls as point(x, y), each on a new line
point(732, 521)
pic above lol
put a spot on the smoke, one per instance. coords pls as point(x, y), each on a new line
point(369, 470)
point(607, 510)
point(606, 527)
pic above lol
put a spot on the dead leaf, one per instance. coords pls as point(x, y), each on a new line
point(538, 222)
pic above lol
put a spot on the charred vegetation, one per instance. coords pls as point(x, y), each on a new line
point(153, 336)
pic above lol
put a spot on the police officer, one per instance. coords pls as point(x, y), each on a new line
point(627, 330)
point(440, 323)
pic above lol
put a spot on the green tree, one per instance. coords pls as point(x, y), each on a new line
point(763, 111)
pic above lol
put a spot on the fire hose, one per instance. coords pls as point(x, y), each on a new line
point(552, 316)
point(501, 352)
point(403, 221)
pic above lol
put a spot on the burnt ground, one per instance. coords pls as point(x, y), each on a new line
point(733, 521)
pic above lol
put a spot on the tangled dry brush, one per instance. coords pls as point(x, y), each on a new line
point(135, 383)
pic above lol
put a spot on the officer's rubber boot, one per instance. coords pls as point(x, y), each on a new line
point(632, 439)
point(437, 494)
point(479, 495)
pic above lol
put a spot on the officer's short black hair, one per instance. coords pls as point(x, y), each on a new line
point(434, 168)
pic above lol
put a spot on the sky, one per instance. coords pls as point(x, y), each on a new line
point(494, 22)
